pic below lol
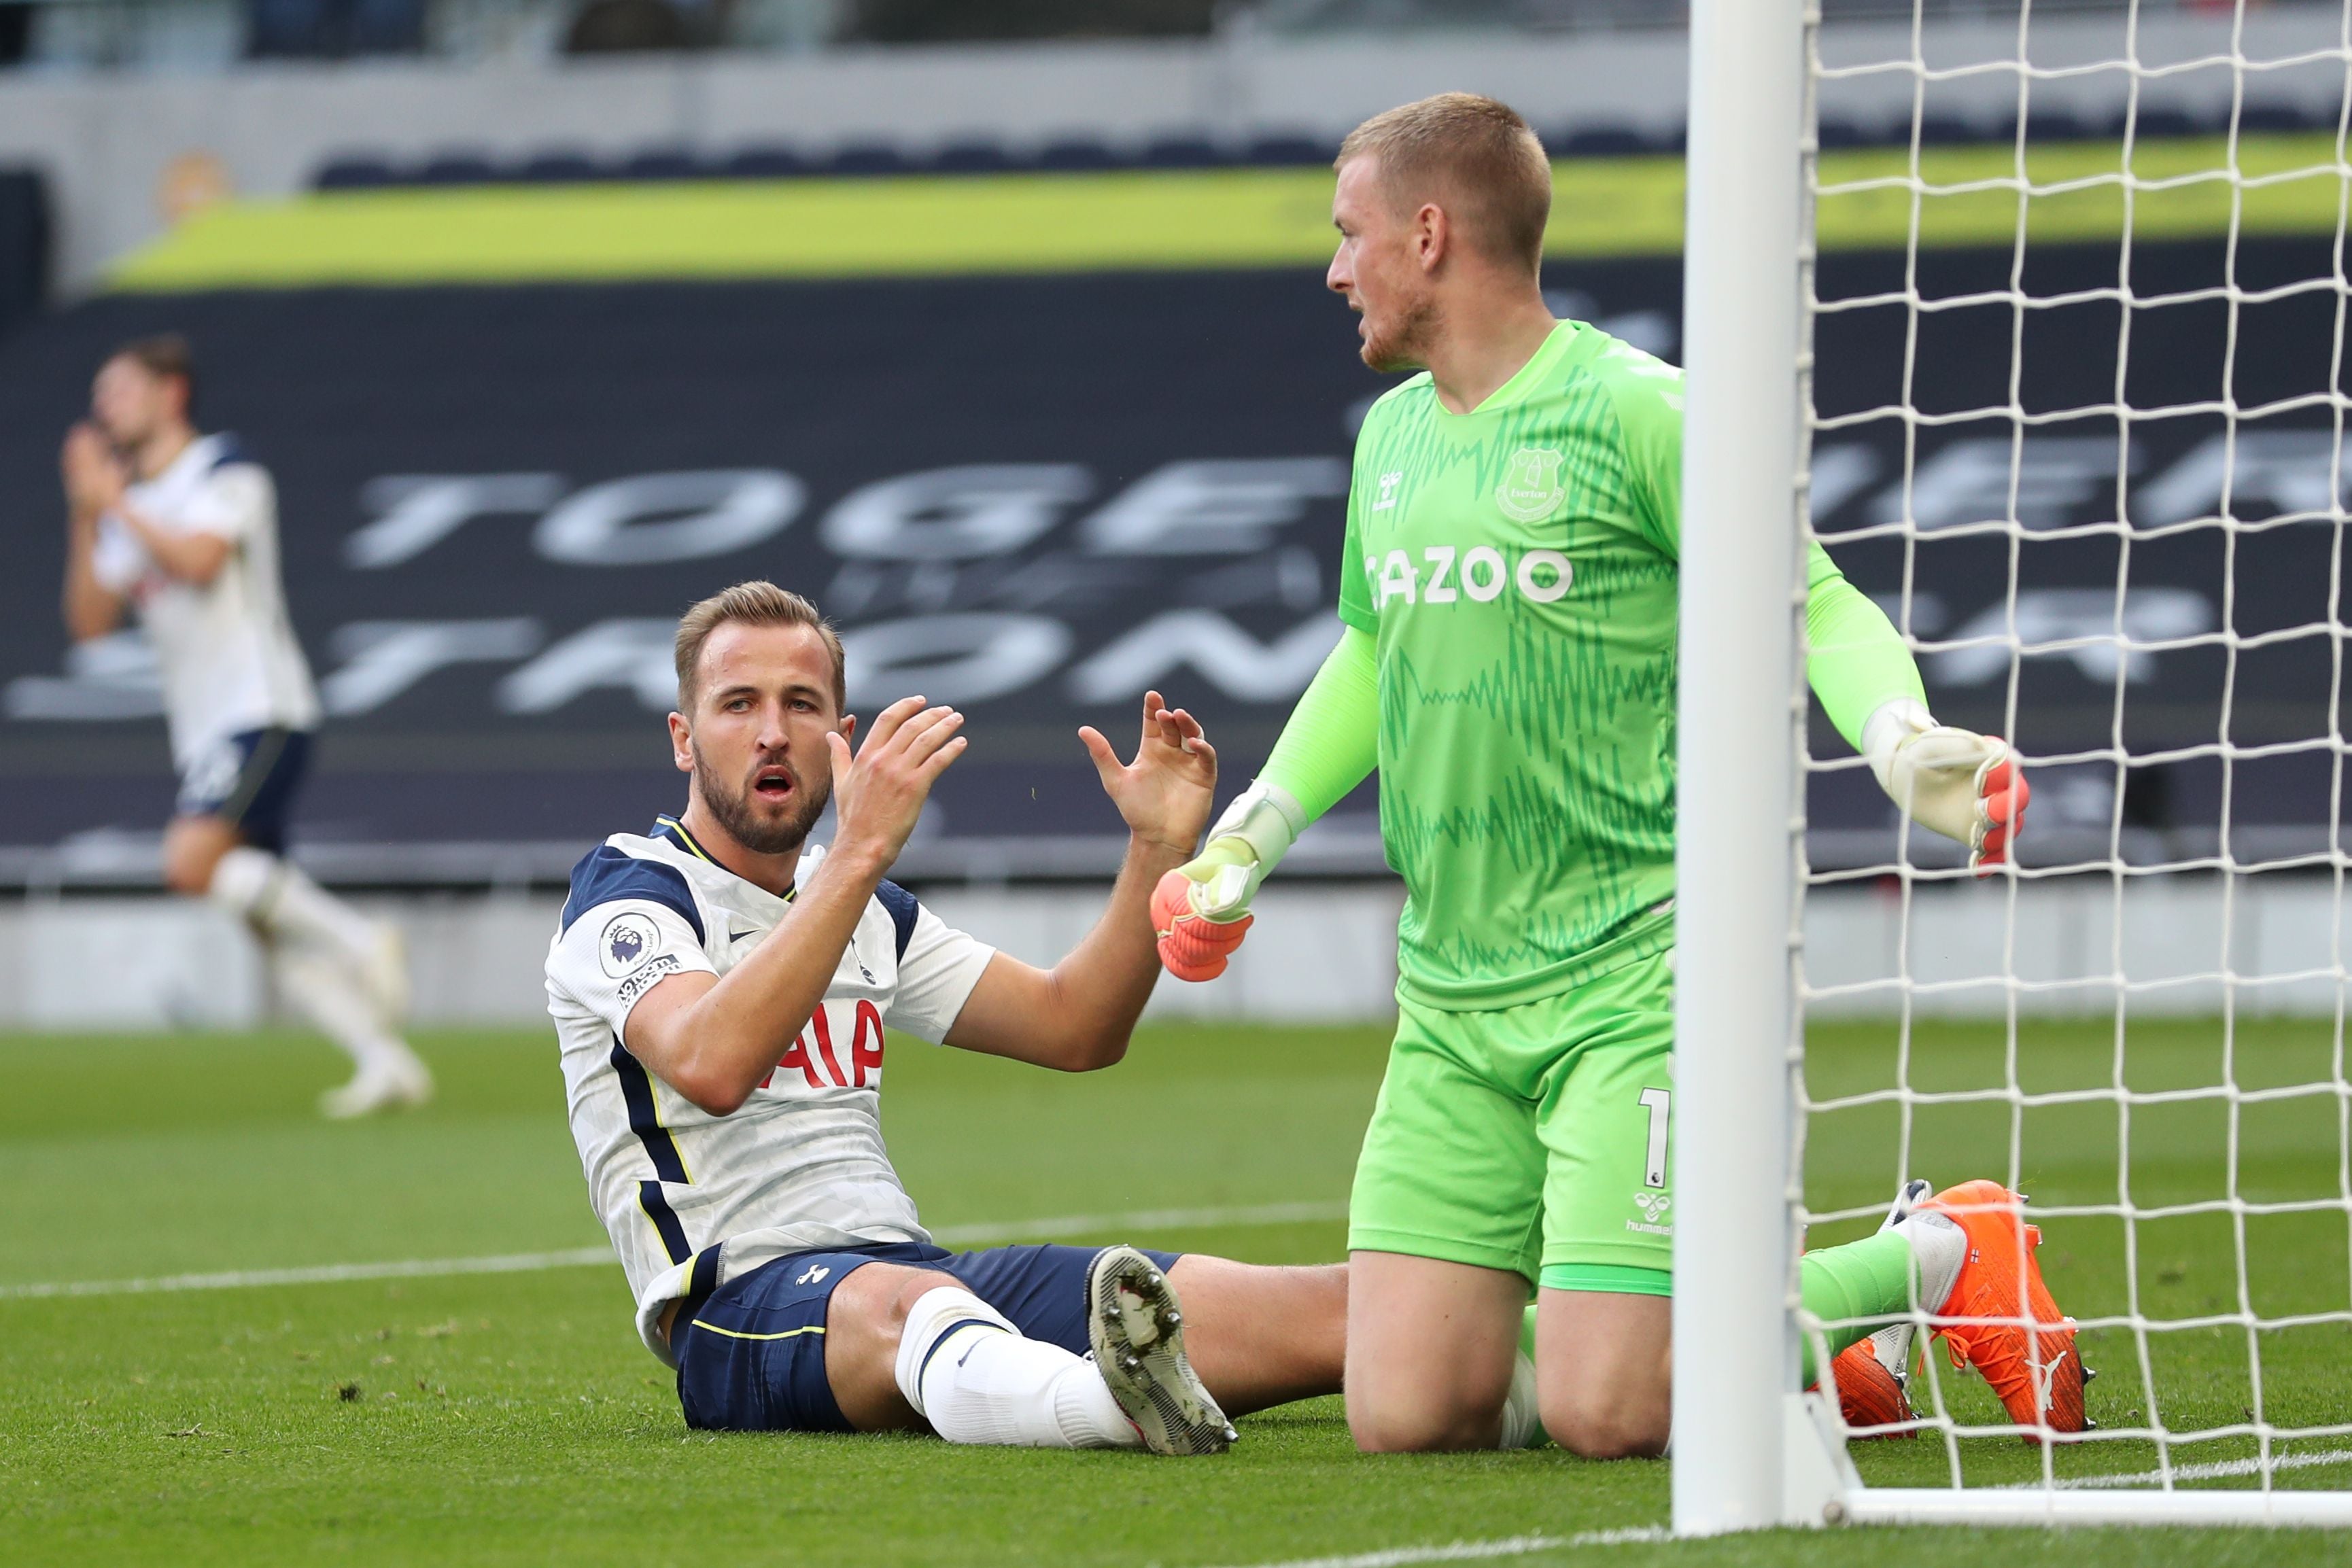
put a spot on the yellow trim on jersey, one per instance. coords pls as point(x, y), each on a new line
point(688, 840)
point(732, 1334)
point(674, 825)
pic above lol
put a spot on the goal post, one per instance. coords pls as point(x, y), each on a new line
point(2036, 321)
point(1735, 1351)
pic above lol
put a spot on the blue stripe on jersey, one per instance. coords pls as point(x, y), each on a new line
point(645, 1117)
point(665, 1219)
point(902, 907)
point(704, 1278)
point(605, 875)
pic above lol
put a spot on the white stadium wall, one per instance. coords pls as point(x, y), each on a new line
point(1319, 952)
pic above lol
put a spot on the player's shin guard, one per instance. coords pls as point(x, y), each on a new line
point(271, 892)
point(320, 990)
point(289, 910)
point(967, 1370)
point(1871, 1280)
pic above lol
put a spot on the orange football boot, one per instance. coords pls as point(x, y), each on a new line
point(2036, 1371)
point(1870, 1393)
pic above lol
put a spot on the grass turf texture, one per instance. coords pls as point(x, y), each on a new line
point(514, 1417)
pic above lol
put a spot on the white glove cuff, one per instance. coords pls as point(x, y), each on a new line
point(1887, 727)
point(1264, 816)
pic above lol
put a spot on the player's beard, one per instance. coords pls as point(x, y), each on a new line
point(735, 810)
point(1402, 341)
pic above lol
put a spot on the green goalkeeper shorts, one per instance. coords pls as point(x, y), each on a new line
point(1532, 1138)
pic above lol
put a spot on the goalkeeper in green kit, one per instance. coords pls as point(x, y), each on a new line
point(1508, 593)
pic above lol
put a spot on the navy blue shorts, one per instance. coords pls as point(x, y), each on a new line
point(752, 1359)
point(248, 782)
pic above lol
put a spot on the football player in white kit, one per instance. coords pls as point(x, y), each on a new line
point(181, 527)
point(720, 990)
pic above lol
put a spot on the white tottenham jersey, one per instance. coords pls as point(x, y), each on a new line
point(690, 1200)
point(230, 662)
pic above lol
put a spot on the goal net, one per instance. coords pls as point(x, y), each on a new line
point(2060, 352)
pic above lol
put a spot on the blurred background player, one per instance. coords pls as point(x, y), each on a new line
point(181, 525)
point(1509, 593)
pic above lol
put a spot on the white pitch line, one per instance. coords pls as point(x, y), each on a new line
point(589, 1256)
point(1474, 1550)
point(2214, 1470)
point(320, 1274)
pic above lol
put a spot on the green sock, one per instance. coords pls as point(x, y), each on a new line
point(1865, 1279)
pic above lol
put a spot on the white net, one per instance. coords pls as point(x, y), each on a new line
point(2075, 395)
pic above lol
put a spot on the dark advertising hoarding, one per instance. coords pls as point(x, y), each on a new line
point(1035, 498)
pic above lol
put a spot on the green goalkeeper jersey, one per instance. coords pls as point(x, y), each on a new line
point(1517, 566)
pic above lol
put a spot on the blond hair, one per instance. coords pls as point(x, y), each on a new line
point(1471, 154)
point(754, 603)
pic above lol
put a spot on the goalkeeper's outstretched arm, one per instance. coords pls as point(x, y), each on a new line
point(1963, 785)
point(1201, 910)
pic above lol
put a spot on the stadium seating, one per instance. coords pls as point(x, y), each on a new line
point(361, 169)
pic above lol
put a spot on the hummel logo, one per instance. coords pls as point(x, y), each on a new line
point(815, 1275)
point(1653, 1207)
point(1387, 498)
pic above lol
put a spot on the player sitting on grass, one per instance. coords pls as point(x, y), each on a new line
point(1508, 594)
point(722, 990)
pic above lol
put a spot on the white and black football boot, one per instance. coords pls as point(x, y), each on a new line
point(1138, 1334)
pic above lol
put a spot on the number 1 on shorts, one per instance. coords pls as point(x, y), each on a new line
point(1657, 1102)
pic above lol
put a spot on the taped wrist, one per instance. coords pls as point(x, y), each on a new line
point(1266, 817)
point(1888, 726)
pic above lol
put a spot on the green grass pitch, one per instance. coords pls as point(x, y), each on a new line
point(514, 1418)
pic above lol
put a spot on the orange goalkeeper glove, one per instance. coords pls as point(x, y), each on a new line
point(1200, 911)
point(1963, 785)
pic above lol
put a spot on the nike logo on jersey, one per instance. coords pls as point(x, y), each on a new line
point(1444, 574)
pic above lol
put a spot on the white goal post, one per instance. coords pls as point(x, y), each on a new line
point(2214, 503)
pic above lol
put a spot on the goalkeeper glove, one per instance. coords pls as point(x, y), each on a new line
point(1965, 786)
point(1200, 911)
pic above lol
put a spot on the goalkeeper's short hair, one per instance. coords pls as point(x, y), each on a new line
point(1472, 156)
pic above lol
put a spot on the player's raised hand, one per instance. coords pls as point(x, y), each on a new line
point(1164, 795)
point(878, 794)
point(88, 469)
point(1965, 786)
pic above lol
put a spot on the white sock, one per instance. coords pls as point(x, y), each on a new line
point(321, 989)
point(964, 1366)
point(1522, 1419)
point(273, 894)
point(1938, 1248)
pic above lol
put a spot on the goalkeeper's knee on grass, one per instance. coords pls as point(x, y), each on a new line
point(1201, 910)
point(1963, 785)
